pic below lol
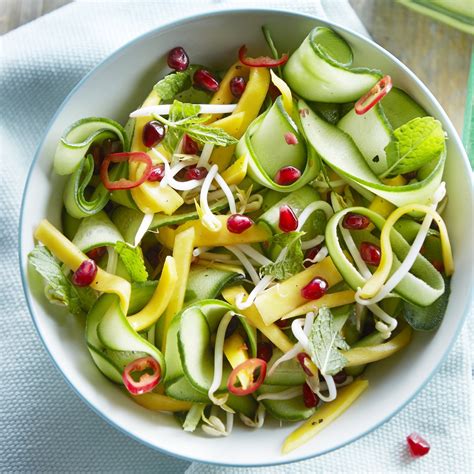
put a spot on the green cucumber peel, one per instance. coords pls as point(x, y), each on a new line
point(115, 332)
point(261, 173)
point(79, 136)
point(75, 201)
point(339, 152)
point(429, 317)
point(96, 231)
point(318, 69)
point(422, 286)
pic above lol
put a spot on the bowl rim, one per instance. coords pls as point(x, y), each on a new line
point(168, 26)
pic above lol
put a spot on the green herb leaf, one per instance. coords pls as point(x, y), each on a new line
point(132, 258)
point(324, 341)
point(172, 84)
point(293, 261)
point(180, 111)
point(415, 144)
point(59, 289)
point(212, 135)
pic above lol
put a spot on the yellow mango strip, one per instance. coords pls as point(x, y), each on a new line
point(373, 285)
point(224, 94)
point(366, 355)
point(236, 352)
point(230, 124)
point(159, 301)
point(183, 255)
point(284, 297)
point(250, 103)
point(272, 331)
point(204, 236)
point(325, 415)
point(381, 206)
point(286, 96)
point(150, 197)
point(64, 250)
point(222, 266)
point(398, 180)
point(158, 402)
point(331, 300)
point(237, 171)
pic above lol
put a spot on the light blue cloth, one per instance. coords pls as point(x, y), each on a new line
point(44, 427)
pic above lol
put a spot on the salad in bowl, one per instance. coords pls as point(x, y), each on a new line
point(252, 239)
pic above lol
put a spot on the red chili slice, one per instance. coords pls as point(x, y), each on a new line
point(250, 367)
point(261, 61)
point(131, 157)
point(376, 94)
point(147, 381)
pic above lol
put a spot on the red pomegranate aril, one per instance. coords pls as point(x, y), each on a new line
point(287, 175)
point(153, 133)
point(290, 138)
point(370, 253)
point(264, 351)
point(353, 221)
point(237, 86)
point(85, 274)
point(238, 223)
point(178, 59)
point(315, 289)
point(417, 445)
point(205, 80)
point(283, 323)
point(190, 147)
point(157, 173)
point(305, 362)
point(288, 221)
point(340, 377)
point(310, 254)
point(195, 172)
point(310, 399)
point(97, 253)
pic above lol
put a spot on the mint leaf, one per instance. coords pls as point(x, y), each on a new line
point(172, 84)
point(59, 289)
point(132, 258)
point(213, 135)
point(180, 111)
point(292, 263)
point(415, 144)
point(324, 342)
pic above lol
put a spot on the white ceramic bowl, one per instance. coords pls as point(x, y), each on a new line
point(113, 89)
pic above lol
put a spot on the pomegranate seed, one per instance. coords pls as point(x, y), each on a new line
point(85, 274)
point(157, 173)
point(288, 221)
point(305, 362)
point(340, 377)
point(238, 223)
point(310, 254)
point(370, 253)
point(153, 133)
point(283, 323)
point(273, 91)
point(190, 147)
point(178, 59)
point(97, 253)
point(205, 80)
point(315, 289)
point(237, 86)
point(287, 175)
point(417, 445)
point(310, 399)
point(195, 172)
point(265, 351)
point(290, 138)
point(438, 265)
point(354, 221)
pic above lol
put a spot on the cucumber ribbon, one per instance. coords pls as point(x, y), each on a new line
point(79, 136)
point(421, 286)
point(267, 151)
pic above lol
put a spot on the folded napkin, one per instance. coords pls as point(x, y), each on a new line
point(44, 427)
